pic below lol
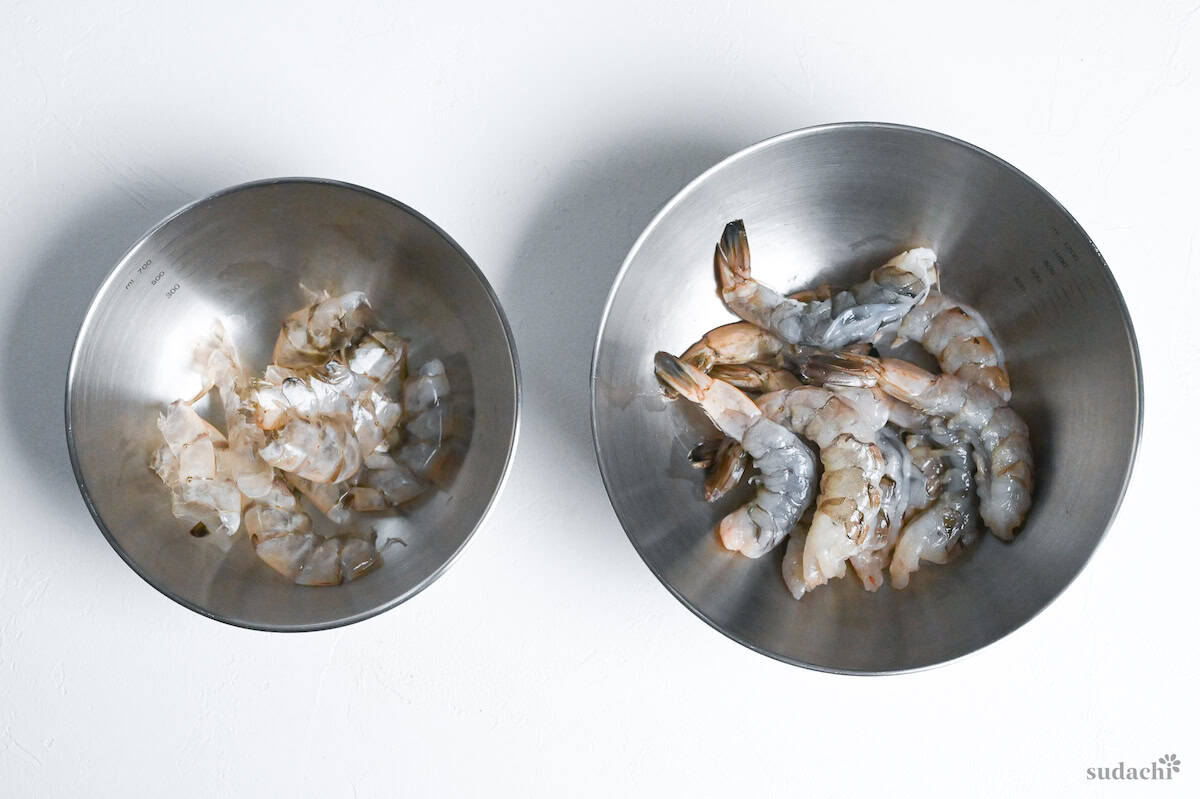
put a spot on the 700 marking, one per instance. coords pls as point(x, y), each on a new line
point(129, 283)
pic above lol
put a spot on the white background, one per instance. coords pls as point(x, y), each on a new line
point(548, 660)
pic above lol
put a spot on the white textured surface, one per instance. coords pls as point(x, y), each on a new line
point(548, 660)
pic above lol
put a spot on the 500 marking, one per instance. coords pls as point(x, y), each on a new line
point(171, 291)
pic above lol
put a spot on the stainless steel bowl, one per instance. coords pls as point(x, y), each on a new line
point(242, 254)
point(825, 205)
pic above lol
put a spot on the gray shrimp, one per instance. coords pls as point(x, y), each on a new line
point(843, 318)
point(787, 469)
point(950, 524)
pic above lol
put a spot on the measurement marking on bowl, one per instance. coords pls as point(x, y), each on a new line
point(140, 270)
point(1055, 281)
point(171, 291)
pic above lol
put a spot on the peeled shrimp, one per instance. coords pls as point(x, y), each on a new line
point(949, 525)
point(1001, 438)
point(960, 339)
point(844, 318)
point(787, 469)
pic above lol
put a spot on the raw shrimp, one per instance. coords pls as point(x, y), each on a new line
point(844, 318)
point(282, 537)
point(843, 424)
point(949, 525)
point(1004, 464)
point(730, 461)
point(737, 342)
point(871, 559)
point(787, 469)
point(925, 478)
point(960, 339)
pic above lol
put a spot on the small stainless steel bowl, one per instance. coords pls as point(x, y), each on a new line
point(241, 255)
point(825, 205)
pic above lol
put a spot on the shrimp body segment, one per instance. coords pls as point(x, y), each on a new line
point(957, 335)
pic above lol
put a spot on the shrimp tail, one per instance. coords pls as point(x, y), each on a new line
point(732, 257)
point(745, 376)
point(820, 368)
point(728, 465)
point(679, 376)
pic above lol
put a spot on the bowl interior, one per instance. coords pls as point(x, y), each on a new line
point(241, 256)
point(826, 205)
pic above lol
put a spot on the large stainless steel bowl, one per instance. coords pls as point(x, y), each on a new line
point(825, 205)
point(241, 255)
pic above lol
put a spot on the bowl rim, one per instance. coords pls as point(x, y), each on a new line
point(813, 130)
point(425, 582)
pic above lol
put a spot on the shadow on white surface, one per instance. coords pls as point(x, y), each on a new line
point(53, 294)
point(566, 261)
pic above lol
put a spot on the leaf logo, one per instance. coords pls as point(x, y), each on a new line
point(1171, 762)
